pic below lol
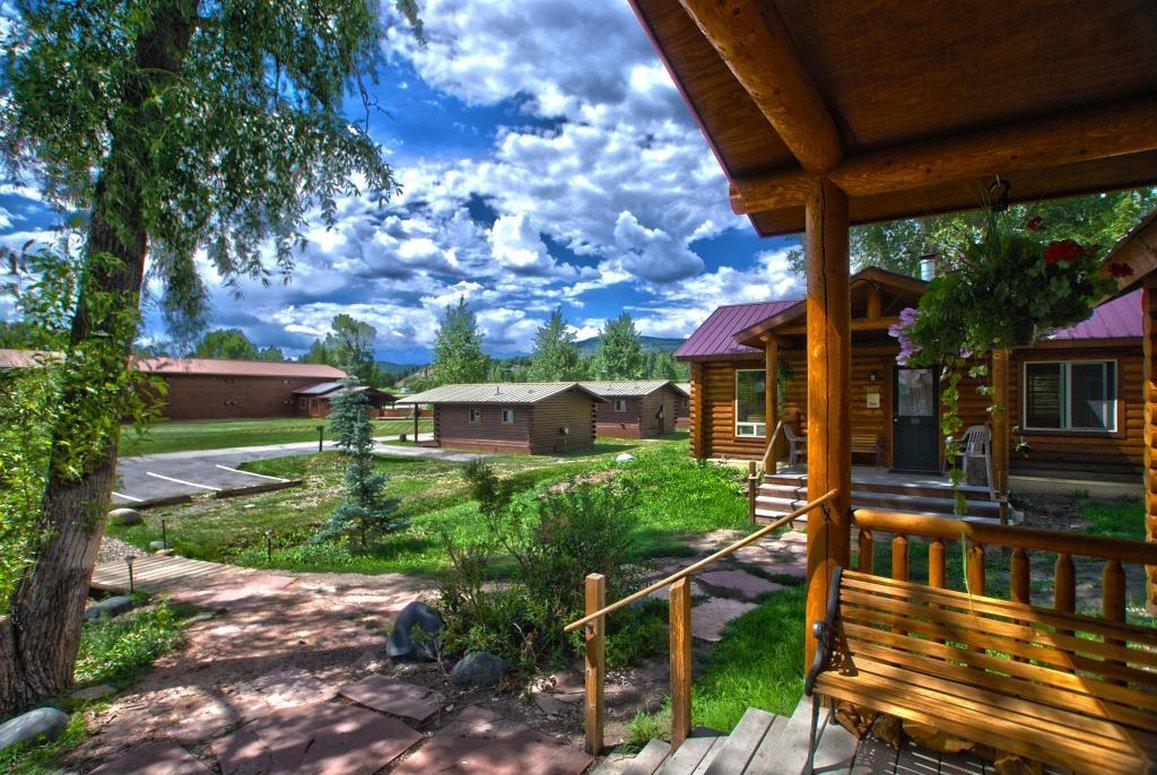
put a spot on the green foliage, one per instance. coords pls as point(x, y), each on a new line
point(555, 357)
point(1123, 518)
point(366, 510)
point(458, 355)
point(620, 353)
point(117, 650)
point(229, 344)
point(353, 348)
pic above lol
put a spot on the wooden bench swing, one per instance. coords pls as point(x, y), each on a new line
point(1050, 686)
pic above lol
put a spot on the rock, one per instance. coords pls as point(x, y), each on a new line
point(93, 692)
point(46, 723)
point(110, 606)
point(164, 553)
point(156, 546)
point(125, 517)
point(417, 633)
point(478, 668)
point(624, 457)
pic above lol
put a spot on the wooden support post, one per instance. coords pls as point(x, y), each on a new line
point(900, 557)
point(829, 361)
point(867, 551)
point(752, 489)
point(771, 391)
point(594, 662)
point(699, 424)
point(975, 571)
point(1113, 598)
point(1021, 587)
point(1149, 389)
point(1001, 440)
point(875, 302)
point(680, 621)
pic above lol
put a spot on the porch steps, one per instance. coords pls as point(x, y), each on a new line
point(780, 494)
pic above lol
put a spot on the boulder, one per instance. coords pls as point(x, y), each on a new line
point(110, 606)
point(156, 546)
point(125, 517)
point(42, 723)
point(478, 668)
point(417, 633)
point(624, 457)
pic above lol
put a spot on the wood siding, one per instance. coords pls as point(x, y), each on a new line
point(211, 397)
point(573, 410)
point(1119, 453)
point(641, 418)
point(535, 430)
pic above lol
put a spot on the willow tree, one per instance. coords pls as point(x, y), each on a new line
point(186, 131)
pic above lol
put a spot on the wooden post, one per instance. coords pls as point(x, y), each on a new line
point(875, 302)
point(594, 662)
point(680, 621)
point(937, 577)
point(752, 489)
point(771, 390)
point(699, 424)
point(900, 557)
point(975, 570)
point(1021, 572)
point(1001, 440)
point(1149, 388)
point(829, 361)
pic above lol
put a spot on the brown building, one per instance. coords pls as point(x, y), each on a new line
point(636, 409)
point(683, 405)
point(316, 400)
point(536, 418)
point(1075, 397)
point(209, 389)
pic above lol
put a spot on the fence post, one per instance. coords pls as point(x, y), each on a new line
point(594, 663)
point(680, 609)
point(752, 489)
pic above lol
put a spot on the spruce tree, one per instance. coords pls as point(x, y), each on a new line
point(556, 358)
point(458, 355)
point(620, 353)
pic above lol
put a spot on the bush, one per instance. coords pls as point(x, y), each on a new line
point(117, 650)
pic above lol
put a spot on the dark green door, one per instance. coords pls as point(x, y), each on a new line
point(915, 421)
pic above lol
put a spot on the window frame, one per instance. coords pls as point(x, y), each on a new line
point(512, 416)
point(620, 405)
point(758, 430)
point(1066, 367)
point(474, 415)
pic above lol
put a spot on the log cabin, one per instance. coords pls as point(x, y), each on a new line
point(534, 418)
point(636, 409)
point(1074, 398)
point(317, 400)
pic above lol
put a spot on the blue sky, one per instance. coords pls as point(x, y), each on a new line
point(546, 159)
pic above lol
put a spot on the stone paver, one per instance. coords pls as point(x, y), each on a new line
point(399, 698)
point(482, 741)
point(740, 583)
point(159, 757)
point(708, 619)
point(319, 738)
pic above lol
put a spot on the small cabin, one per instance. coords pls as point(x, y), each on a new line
point(317, 400)
point(636, 409)
point(533, 418)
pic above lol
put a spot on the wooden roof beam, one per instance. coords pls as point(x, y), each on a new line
point(1098, 133)
point(755, 45)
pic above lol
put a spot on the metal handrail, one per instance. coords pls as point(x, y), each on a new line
point(690, 569)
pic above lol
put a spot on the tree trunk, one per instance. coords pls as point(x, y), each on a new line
point(40, 636)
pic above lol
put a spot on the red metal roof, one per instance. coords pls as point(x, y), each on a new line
point(214, 367)
point(1116, 319)
point(25, 359)
point(716, 336)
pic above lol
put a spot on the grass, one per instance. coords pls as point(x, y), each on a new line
point(679, 496)
point(186, 435)
point(1123, 518)
point(112, 651)
point(758, 663)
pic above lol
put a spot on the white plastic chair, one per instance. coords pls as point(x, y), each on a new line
point(796, 445)
point(976, 446)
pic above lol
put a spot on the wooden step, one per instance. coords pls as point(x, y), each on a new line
point(908, 505)
point(696, 753)
point(742, 743)
point(649, 760)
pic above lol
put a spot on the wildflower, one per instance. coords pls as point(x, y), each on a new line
point(1034, 223)
point(1066, 250)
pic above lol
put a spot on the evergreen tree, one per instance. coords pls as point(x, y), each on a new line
point(458, 355)
point(366, 511)
point(620, 353)
point(230, 344)
point(271, 355)
point(318, 353)
point(555, 358)
point(179, 128)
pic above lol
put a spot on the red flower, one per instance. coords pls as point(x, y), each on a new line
point(1119, 270)
point(1034, 224)
point(1065, 250)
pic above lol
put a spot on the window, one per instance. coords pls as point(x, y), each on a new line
point(750, 419)
point(475, 415)
point(1070, 396)
point(620, 404)
point(507, 416)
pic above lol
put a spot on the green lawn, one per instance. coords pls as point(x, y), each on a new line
point(181, 436)
point(678, 496)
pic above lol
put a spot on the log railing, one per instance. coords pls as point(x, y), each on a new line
point(982, 536)
point(768, 461)
point(680, 626)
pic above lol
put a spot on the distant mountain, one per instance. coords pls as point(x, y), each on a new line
point(650, 344)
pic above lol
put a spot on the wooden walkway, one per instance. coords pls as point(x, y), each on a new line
point(152, 573)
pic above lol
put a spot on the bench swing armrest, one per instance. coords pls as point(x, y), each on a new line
point(824, 631)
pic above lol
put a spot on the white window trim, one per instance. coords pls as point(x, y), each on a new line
point(504, 414)
point(474, 416)
point(1066, 398)
point(747, 430)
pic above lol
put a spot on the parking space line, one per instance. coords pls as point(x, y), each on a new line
point(182, 481)
point(250, 473)
point(127, 497)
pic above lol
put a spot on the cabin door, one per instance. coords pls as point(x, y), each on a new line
point(915, 420)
